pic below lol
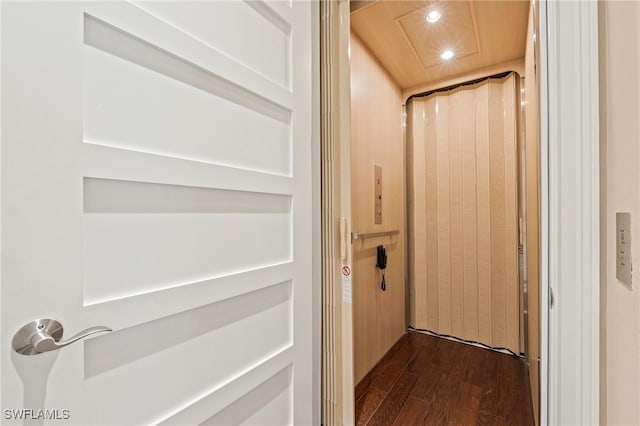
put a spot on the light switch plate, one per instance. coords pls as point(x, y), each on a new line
point(623, 248)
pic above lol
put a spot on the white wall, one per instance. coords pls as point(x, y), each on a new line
point(619, 45)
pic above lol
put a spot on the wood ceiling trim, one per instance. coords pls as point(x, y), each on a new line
point(423, 11)
point(472, 7)
point(407, 39)
point(355, 5)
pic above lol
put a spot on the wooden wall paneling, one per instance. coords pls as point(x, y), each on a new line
point(444, 214)
point(484, 214)
point(431, 207)
point(498, 225)
point(512, 303)
point(376, 139)
point(391, 156)
point(455, 205)
point(365, 297)
point(469, 216)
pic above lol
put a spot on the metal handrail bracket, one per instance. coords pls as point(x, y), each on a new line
point(363, 235)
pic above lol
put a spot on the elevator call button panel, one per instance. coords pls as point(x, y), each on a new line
point(623, 248)
point(378, 195)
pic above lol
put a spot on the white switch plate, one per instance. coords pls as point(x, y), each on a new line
point(623, 248)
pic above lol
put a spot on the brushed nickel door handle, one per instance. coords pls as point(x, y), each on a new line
point(43, 335)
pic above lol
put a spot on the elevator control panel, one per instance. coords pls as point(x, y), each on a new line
point(623, 248)
point(378, 194)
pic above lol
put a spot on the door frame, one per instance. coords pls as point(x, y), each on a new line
point(570, 248)
point(570, 243)
point(338, 405)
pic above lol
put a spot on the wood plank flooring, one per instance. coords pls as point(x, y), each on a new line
point(426, 380)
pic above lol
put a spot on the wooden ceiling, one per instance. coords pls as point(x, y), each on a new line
point(480, 33)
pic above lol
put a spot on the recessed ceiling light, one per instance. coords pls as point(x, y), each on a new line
point(433, 16)
point(447, 54)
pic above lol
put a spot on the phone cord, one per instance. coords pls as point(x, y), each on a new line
point(384, 284)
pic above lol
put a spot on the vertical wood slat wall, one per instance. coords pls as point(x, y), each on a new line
point(463, 217)
point(376, 139)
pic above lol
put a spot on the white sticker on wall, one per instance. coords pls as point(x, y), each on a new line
point(346, 283)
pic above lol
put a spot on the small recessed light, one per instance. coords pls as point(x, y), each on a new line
point(447, 54)
point(433, 16)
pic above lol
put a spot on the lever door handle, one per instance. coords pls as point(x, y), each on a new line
point(43, 335)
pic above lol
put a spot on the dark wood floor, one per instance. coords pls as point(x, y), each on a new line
point(426, 380)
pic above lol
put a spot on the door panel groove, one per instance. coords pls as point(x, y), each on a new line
point(243, 410)
point(108, 38)
point(130, 344)
point(124, 163)
point(202, 406)
point(120, 196)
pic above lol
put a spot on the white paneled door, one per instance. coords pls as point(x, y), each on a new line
point(156, 180)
